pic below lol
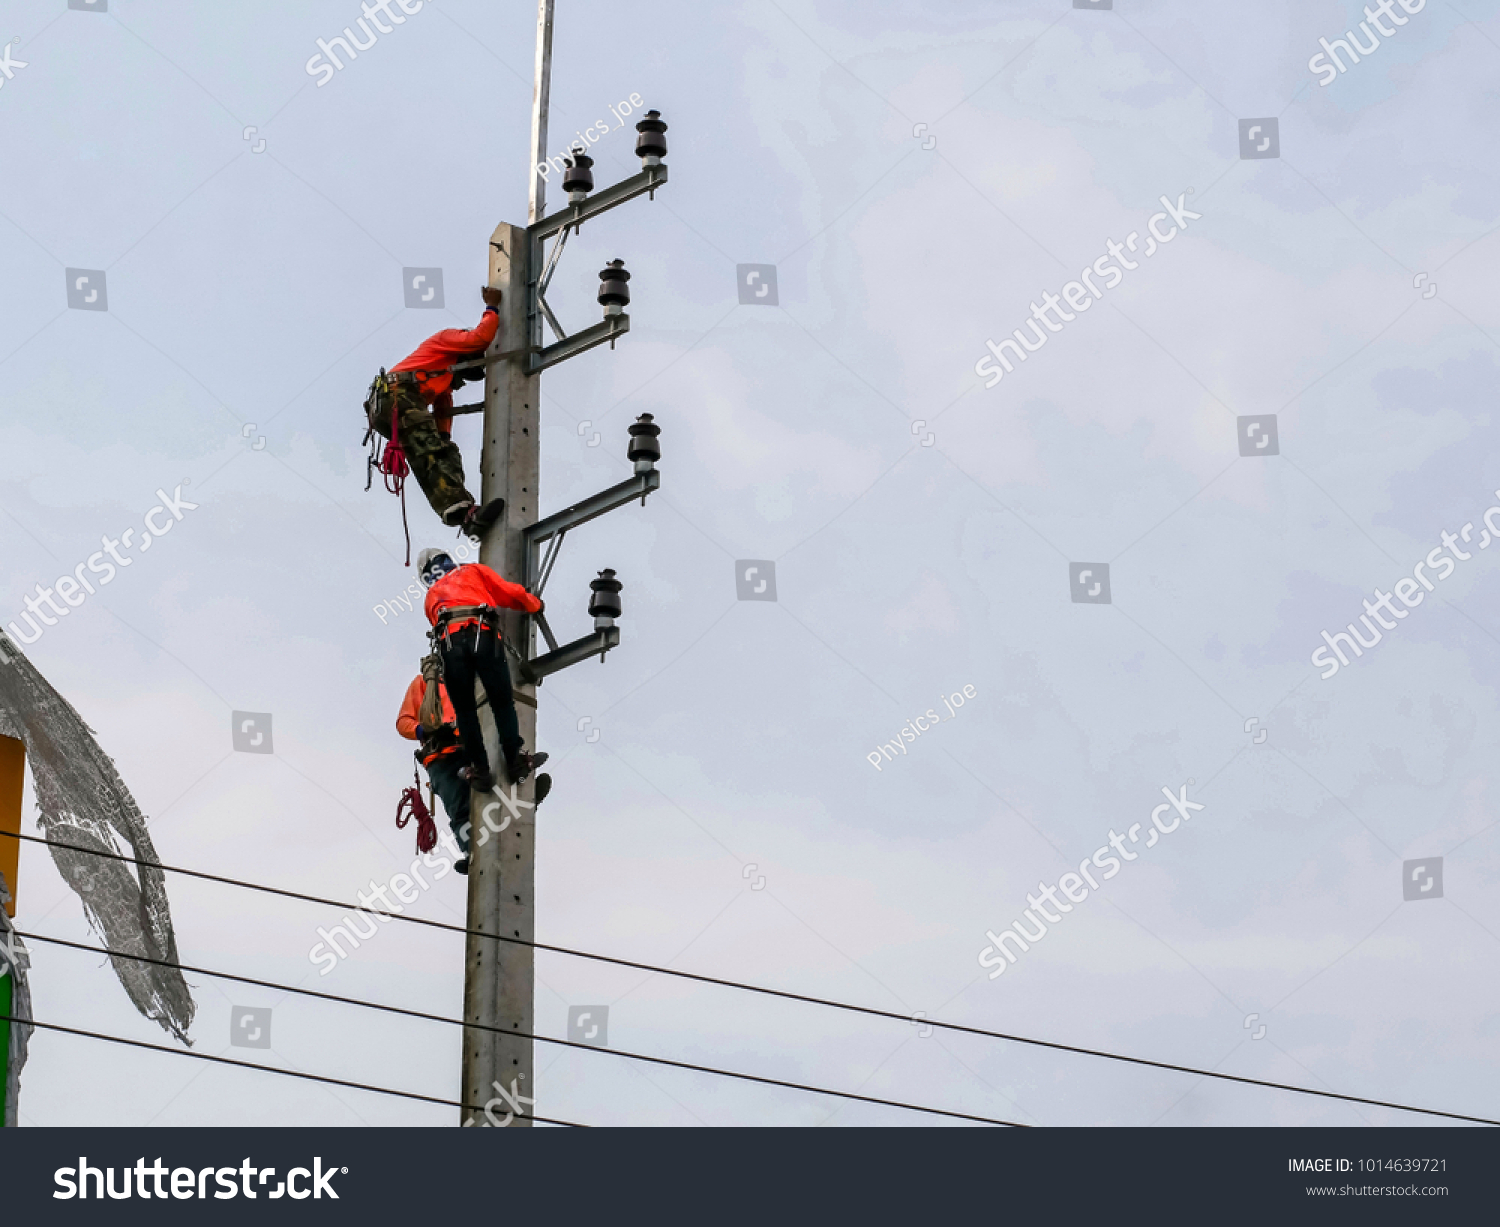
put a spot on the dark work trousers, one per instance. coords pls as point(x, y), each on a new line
point(476, 652)
point(454, 794)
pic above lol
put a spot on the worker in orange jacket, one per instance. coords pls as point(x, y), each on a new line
point(463, 604)
point(438, 751)
point(419, 391)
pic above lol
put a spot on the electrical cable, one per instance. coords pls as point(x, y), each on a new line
point(544, 1039)
point(269, 1069)
point(871, 1011)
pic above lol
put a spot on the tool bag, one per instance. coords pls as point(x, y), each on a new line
point(380, 400)
point(388, 458)
point(379, 405)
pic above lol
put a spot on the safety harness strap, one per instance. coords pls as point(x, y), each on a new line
point(483, 612)
point(464, 364)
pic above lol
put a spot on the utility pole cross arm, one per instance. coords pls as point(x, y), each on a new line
point(595, 644)
point(585, 510)
point(570, 346)
point(574, 215)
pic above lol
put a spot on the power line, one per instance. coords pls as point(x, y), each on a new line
point(269, 1069)
point(458, 1022)
point(871, 1011)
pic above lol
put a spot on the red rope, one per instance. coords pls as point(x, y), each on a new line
point(412, 806)
point(394, 468)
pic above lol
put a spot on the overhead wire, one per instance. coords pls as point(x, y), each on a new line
point(544, 1039)
point(785, 994)
point(269, 1069)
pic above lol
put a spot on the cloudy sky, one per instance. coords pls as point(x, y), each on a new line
point(919, 176)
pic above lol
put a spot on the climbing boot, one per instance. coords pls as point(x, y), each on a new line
point(480, 781)
point(523, 764)
point(543, 787)
point(459, 513)
point(478, 520)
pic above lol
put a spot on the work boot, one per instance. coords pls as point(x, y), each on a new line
point(480, 781)
point(478, 520)
point(523, 764)
point(543, 787)
point(458, 513)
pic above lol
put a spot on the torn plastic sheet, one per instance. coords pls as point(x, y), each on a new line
point(82, 800)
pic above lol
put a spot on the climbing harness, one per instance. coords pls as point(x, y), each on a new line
point(382, 417)
point(387, 458)
point(486, 616)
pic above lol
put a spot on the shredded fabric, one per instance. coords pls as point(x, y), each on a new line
point(82, 800)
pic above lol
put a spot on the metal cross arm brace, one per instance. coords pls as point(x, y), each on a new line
point(574, 215)
point(607, 330)
point(595, 644)
point(604, 600)
point(614, 293)
point(559, 523)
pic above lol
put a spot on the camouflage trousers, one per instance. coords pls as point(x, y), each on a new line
point(434, 458)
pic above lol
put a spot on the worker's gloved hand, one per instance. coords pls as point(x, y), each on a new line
point(491, 296)
point(541, 605)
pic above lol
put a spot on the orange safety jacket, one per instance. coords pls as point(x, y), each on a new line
point(406, 721)
point(475, 584)
point(440, 351)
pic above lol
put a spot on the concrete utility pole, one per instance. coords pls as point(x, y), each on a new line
point(500, 977)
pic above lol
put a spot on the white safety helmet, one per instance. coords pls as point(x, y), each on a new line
point(425, 560)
